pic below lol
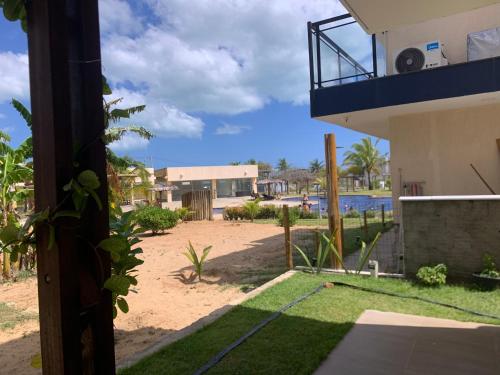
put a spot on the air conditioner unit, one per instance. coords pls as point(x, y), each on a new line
point(418, 57)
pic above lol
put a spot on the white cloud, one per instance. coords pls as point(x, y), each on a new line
point(219, 56)
point(162, 119)
point(129, 142)
point(14, 76)
point(117, 17)
point(228, 129)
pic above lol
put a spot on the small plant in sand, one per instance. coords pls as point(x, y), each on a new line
point(183, 213)
point(251, 210)
point(197, 262)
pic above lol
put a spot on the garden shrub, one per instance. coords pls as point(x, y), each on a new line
point(432, 276)
point(352, 214)
point(234, 213)
point(183, 213)
point(308, 215)
point(490, 268)
point(370, 214)
point(156, 219)
point(251, 210)
point(268, 211)
point(293, 216)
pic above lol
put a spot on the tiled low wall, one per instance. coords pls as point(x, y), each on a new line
point(454, 230)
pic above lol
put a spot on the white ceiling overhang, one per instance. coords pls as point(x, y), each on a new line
point(382, 15)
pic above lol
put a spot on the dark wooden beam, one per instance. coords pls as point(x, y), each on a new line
point(76, 324)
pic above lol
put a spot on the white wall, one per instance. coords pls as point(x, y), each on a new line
point(451, 31)
point(174, 174)
point(437, 148)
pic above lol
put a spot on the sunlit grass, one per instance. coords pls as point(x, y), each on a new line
point(301, 338)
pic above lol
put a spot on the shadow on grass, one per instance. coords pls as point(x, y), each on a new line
point(287, 345)
point(296, 345)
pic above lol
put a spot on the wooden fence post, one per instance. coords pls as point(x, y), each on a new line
point(333, 196)
point(342, 229)
point(288, 241)
point(383, 216)
point(365, 222)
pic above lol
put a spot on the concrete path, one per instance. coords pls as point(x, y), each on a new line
point(390, 343)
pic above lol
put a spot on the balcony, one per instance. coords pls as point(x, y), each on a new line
point(349, 85)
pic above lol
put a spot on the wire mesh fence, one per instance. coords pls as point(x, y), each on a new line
point(357, 226)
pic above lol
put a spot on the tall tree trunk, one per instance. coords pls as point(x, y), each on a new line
point(370, 185)
point(6, 255)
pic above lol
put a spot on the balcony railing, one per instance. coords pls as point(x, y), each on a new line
point(341, 52)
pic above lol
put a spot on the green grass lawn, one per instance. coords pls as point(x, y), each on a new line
point(300, 339)
point(377, 192)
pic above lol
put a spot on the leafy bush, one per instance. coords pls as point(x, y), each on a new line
point(251, 210)
point(308, 215)
point(490, 268)
point(432, 276)
point(293, 216)
point(352, 214)
point(183, 213)
point(370, 214)
point(156, 219)
point(234, 213)
point(268, 211)
point(197, 262)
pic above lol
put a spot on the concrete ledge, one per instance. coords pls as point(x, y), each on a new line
point(451, 198)
point(170, 338)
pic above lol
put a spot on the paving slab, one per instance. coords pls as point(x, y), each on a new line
point(391, 343)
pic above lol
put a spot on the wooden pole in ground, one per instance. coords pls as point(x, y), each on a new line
point(365, 226)
point(288, 240)
point(333, 195)
point(76, 322)
point(342, 229)
point(383, 216)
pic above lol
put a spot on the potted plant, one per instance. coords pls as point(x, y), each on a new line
point(489, 277)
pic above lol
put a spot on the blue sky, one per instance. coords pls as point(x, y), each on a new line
point(215, 91)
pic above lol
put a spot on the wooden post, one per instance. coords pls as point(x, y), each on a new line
point(76, 322)
point(342, 229)
point(333, 195)
point(383, 216)
point(288, 241)
point(365, 226)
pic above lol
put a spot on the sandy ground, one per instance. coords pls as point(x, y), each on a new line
point(166, 299)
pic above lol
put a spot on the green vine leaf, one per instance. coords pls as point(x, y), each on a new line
point(122, 304)
point(89, 179)
point(67, 213)
point(13, 9)
point(96, 198)
point(36, 361)
point(113, 244)
point(118, 284)
point(52, 237)
point(9, 233)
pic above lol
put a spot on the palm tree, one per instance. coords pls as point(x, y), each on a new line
point(235, 163)
point(366, 157)
point(283, 165)
point(316, 166)
point(251, 161)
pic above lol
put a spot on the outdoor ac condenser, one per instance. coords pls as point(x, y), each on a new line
point(418, 57)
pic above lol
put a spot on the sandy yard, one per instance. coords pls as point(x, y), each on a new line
point(243, 255)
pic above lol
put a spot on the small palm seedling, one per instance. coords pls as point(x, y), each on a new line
point(251, 209)
point(197, 262)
